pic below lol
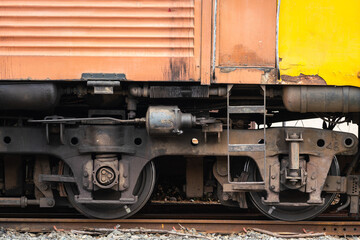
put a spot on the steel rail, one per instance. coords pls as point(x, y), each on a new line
point(339, 228)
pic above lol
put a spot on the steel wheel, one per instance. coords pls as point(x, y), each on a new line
point(292, 213)
point(143, 190)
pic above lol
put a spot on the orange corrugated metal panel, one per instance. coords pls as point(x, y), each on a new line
point(148, 40)
point(246, 38)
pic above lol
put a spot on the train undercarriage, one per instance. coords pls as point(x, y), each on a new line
point(96, 142)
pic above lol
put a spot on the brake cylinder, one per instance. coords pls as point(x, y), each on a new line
point(166, 120)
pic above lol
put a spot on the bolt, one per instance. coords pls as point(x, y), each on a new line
point(126, 185)
point(313, 177)
point(313, 188)
point(273, 176)
point(127, 209)
point(50, 202)
point(44, 187)
point(103, 171)
point(225, 197)
point(86, 184)
point(272, 187)
point(86, 174)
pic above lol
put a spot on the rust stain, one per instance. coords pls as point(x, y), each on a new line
point(177, 70)
point(303, 79)
point(270, 77)
point(227, 70)
point(241, 55)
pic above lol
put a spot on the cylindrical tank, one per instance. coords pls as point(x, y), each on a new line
point(321, 99)
point(166, 120)
point(28, 96)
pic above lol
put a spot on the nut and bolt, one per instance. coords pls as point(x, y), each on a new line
point(272, 187)
point(225, 196)
point(273, 176)
point(50, 202)
point(44, 187)
point(86, 174)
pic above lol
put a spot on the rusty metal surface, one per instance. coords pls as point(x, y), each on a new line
point(251, 47)
point(194, 177)
point(251, 25)
point(302, 79)
point(211, 226)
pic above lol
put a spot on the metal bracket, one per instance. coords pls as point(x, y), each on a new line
point(47, 202)
point(216, 128)
point(56, 178)
point(353, 190)
point(103, 83)
point(61, 128)
point(121, 201)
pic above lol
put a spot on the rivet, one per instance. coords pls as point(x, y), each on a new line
point(312, 188)
point(272, 187)
point(273, 177)
point(313, 177)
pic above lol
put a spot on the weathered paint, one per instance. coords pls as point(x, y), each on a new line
point(148, 40)
point(206, 42)
point(245, 41)
point(322, 39)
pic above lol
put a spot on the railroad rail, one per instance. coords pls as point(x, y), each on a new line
point(210, 226)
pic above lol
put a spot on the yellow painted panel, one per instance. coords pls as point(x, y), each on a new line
point(321, 38)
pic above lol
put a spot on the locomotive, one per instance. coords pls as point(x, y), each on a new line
point(94, 93)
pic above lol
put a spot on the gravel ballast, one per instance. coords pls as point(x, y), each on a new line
point(122, 234)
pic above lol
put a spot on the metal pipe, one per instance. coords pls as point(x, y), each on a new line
point(277, 34)
point(18, 202)
point(347, 203)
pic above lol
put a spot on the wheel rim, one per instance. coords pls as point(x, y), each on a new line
point(143, 190)
point(293, 213)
